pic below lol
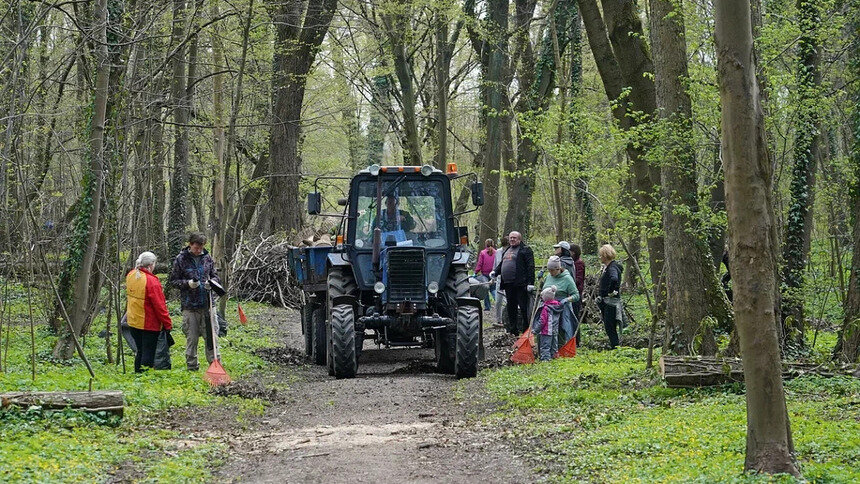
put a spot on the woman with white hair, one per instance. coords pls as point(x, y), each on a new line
point(146, 309)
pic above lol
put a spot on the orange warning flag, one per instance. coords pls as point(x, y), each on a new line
point(523, 352)
point(216, 375)
point(568, 350)
point(242, 318)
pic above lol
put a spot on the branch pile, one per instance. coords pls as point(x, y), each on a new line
point(261, 273)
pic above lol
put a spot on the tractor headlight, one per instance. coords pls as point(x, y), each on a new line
point(373, 169)
point(433, 287)
point(379, 287)
point(426, 170)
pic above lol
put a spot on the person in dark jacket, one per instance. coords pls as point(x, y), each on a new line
point(609, 293)
point(193, 272)
point(579, 278)
point(516, 270)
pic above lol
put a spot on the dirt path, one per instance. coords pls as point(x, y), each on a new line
point(396, 422)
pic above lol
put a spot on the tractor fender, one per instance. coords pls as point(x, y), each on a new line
point(460, 258)
point(469, 301)
point(337, 259)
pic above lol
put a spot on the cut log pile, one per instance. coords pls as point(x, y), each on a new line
point(700, 371)
point(110, 401)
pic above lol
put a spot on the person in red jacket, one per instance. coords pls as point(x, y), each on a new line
point(147, 310)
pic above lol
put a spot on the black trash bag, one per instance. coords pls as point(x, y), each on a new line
point(162, 349)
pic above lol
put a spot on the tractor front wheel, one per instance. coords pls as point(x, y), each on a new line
point(343, 342)
point(468, 342)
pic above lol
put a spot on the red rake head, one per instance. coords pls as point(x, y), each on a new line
point(524, 355)
point(216, 375)
point(568, 350)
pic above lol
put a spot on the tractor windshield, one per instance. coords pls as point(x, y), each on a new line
point(413, 213)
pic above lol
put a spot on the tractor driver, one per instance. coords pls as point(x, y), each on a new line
point(394, 218)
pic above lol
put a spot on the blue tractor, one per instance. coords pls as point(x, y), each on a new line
point(396, 274)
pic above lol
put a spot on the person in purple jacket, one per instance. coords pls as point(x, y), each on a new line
point(485, 264)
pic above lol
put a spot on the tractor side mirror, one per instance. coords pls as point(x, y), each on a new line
point(342, 201)
point(477, 194)
point(314, 203)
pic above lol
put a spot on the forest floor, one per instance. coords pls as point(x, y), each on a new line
point(599, 417)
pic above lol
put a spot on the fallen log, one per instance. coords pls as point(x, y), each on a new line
point(110, 401)
point(702, 371)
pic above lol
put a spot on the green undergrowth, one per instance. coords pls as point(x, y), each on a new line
point(602, 417)
point(38, 445)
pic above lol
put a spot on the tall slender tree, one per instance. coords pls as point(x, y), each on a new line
point(749, 205)
point(798, 227)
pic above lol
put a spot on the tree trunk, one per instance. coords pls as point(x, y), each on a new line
point(398, 29)
point(219, 140)
point(496, 90)
point(798, 227)
point(300, 28)
point(442, 67)
point(692, 290)
point(178, 216)
point(848, 344)
point(110, 401)
point(536, 76)
point(88, 226)
point(697, 371)
point(623, 61)
point(378, 123)
point(748, 175)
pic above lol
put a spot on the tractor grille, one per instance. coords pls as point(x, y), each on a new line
point(406, 275)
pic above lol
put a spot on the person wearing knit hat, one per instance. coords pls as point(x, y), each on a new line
point(567, 295)
point(545, 324)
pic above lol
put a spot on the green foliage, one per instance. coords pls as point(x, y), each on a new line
point(602, 417)
point(70, 446)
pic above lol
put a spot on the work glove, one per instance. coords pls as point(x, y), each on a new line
point(530, 288)
point(207, 286)
point(193, 284)
point(492, 274)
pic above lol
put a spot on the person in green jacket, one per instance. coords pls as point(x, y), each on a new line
point(566, 293)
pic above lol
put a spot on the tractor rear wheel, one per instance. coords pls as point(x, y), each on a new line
point(318, 335)
point(307, 328)
point(444, 353)
point(468, 342)
point(343, 342)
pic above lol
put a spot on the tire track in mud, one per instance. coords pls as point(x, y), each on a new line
point(397, 421)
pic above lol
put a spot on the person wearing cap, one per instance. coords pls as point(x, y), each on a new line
point(566, 293)
point(517, 272)
point(562, 249)
point(146, 312)
point(194, 275)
